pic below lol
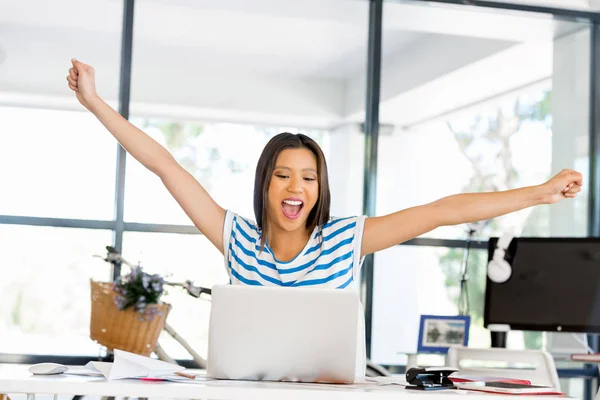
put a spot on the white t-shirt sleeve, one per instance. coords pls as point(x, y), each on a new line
point(357, 246)
point(227, 227)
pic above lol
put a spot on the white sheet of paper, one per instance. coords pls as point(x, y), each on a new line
point(87, 370)
point(386, 380)
point(130, 365)
point(127, 365)
point(100, 366)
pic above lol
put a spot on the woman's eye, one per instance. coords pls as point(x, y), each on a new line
point(281, 176)
point(309, 179)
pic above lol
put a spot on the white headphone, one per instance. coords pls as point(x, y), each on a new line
point(499, 270)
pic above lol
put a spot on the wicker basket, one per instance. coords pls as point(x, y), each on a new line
point(123, 329)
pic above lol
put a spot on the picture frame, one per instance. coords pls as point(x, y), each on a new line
point(437, 333)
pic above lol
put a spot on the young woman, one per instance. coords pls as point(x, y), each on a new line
point(294, 242)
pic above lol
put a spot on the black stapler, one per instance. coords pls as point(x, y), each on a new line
point(430, 378)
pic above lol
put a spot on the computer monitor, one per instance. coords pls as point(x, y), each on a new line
point(554, 286)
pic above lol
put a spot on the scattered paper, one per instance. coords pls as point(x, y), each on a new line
point(128, 365)
point(87, 370)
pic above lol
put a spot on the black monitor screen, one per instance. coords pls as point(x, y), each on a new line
point(554, 286)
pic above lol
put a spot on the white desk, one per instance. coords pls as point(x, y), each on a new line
point(16, 379)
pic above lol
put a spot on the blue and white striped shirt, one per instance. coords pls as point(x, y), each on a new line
point(333, 262)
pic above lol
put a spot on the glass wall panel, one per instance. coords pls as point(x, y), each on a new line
point(227, 76)
point(413, 280)
point(58, 163)
point(46, 272)
point(471, 106)
point(213, 86)
point(179, 258)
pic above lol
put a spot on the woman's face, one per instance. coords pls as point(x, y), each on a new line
point(294, 189)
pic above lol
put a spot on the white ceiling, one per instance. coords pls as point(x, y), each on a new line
point(274, 59)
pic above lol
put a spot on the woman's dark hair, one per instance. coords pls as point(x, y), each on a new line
point(319, 215)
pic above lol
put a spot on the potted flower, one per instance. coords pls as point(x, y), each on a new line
point(128, 314)
point(139, 290)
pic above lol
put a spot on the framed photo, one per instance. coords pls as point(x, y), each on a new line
point(439, 332)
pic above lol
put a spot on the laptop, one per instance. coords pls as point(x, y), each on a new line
point(283, 334)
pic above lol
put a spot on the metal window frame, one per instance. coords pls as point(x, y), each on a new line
point(119, 226)
point(371, 132)
point(124, 101)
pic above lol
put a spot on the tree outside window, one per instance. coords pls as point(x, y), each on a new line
point(491, 141)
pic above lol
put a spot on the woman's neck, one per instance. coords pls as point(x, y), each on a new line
point(287, 245)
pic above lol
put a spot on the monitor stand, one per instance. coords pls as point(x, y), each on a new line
point(498, 333)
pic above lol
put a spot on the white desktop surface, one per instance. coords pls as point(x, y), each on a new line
point(17, 379)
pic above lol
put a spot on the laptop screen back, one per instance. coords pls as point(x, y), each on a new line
point(289, 334)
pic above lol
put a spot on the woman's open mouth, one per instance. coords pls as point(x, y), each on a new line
point(291, 208)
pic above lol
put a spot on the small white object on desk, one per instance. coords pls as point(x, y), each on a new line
point(47, 369)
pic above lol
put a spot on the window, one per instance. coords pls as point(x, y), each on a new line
point(488, 148)
point(178, 258)
point(214, 97)
point(266, 81)
point(226, 171)
point(57, 167)
point(211, 96)
point(58, 164)
point(470, 108)
point(46, 274)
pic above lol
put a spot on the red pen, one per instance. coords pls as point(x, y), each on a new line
point(152, 379)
